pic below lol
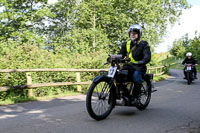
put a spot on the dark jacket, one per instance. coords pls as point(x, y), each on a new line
point(141, 53)
point(192, 61)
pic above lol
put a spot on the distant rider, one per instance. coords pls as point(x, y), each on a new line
point(190, 60)
point(139, 53)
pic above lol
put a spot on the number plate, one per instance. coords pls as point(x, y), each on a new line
point(189, 68)
point(112, 71)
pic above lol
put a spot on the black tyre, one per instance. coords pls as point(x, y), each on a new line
point(188, 78)
point(144, 96)
point(100, 99)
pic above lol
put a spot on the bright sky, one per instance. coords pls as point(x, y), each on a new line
point(52, 1)
point(189, 23)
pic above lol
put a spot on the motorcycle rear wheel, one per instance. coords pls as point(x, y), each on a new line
point(144, 96)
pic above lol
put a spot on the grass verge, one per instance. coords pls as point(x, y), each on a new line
point(160, 78)
point(14, 100)
point(21, 99)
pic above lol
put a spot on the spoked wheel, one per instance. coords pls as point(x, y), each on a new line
point(100, 99)
point(144, 96)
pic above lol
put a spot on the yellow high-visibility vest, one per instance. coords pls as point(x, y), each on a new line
point(128, 49)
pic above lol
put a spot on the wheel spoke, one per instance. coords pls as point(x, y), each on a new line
point(100, 98)
point(144, 94)
point(106, 88)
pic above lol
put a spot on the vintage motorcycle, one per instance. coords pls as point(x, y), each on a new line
point(189, 73)
point(115, 87)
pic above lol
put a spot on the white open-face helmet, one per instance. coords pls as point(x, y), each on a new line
point(137, 28)
point(189, 54)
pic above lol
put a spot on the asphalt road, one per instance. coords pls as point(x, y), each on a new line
point(174, 108)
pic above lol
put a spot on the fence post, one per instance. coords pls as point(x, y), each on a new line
point(156, 71)
point(149, 71)
point(78, 78)
point(29, 82)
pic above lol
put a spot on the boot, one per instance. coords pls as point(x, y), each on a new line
point(136, 91)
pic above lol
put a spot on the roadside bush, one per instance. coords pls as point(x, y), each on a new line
point(31, 56)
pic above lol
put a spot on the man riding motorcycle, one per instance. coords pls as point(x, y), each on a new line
point(139, 54)
point(190, 60)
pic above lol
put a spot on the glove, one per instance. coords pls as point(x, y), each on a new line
point(134, 61)
point(127, 58)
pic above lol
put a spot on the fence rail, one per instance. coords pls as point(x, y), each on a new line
point(157, 71)
point(50, 70)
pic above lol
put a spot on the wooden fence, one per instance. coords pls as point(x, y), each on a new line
point(156, 70)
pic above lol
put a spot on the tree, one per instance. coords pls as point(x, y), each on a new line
point(112, 19)
point(194, 47)
point(23, 20)
point(184, 45)
point(60, 23)
point(178, 50)
point(99, 24)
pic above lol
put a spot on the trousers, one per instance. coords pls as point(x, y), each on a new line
point(137, 77)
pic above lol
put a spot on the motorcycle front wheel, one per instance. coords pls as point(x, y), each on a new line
point(100, 99)
point(188, 78)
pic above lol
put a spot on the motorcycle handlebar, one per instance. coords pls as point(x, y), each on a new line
point(116, 61)
point(188, 64)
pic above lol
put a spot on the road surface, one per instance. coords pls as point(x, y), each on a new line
point(174, 108)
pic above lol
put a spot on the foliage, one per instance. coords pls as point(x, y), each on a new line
point(114, 17)
point(178, 48)
point(160, 78)
point(93, 24)
point(23, 21)
point(26, 56)
point(184, 45)
point(161, 59)
point(72, 34)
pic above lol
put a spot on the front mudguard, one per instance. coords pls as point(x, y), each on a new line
point(100, 78)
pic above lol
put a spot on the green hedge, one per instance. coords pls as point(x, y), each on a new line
point(31, 56)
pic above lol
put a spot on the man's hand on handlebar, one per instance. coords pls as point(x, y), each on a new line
point(124, 60)
point(116, 59)
point(127, 58)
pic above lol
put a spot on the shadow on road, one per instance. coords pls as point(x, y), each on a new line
point(37, 107)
